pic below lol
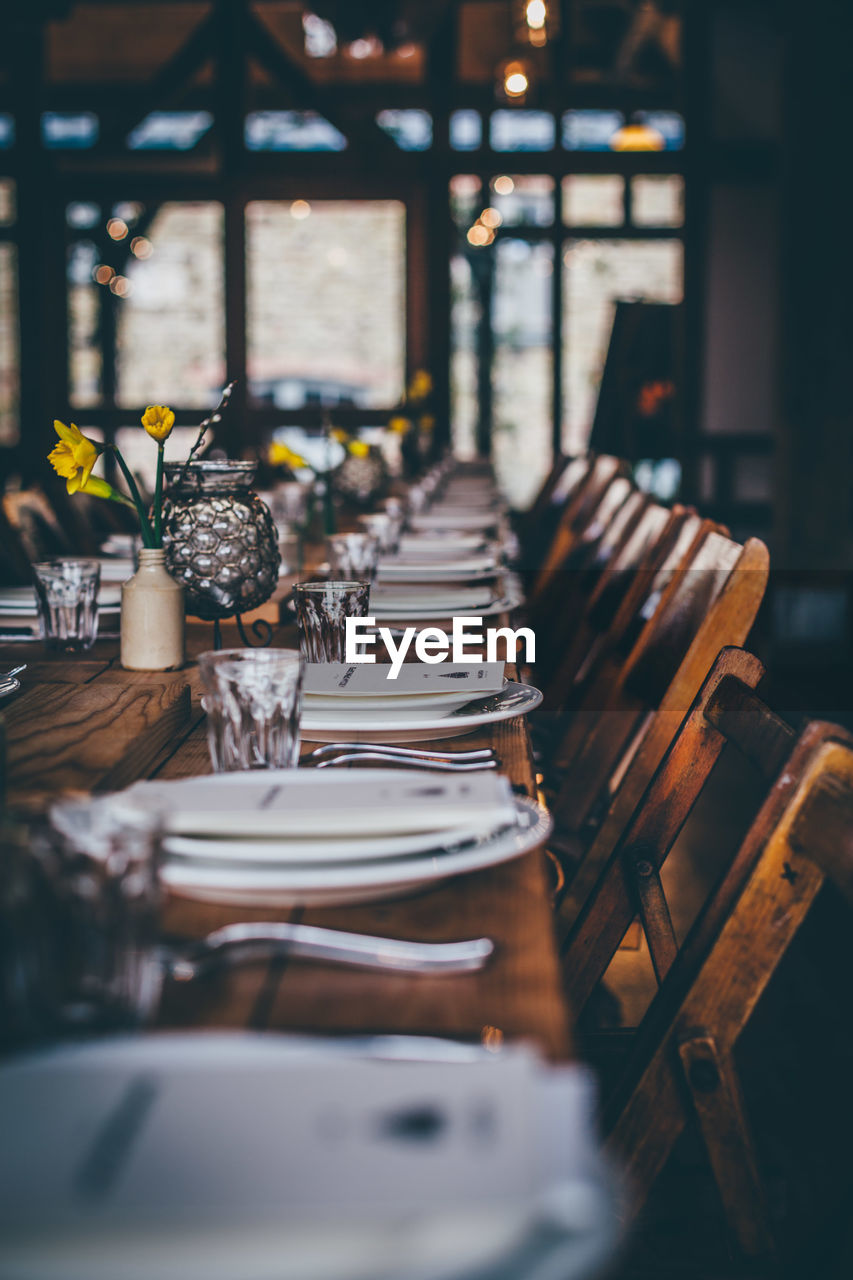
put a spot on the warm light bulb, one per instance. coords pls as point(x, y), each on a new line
point(536, 13)
point(491, 218)
point(479, 235)
point(117, 228)
point(300, 209)
point(515, 84)
point(504, 185)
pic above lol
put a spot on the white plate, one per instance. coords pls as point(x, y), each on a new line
point(504, 605)
point(462, 520)
point(12, 686)
point(361, 882)
point(309, 850)
point(390, 575)
point(513, 700)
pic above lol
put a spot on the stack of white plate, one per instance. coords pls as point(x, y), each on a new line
point(423, 601)
point(286, 837)
point(480, 566)
point(362, 702)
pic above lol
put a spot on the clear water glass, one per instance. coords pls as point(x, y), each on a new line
point(102, 867)
point(67, 597)
point(322, 609)
point(353, 555)
point(380, 526)
point(253, 700)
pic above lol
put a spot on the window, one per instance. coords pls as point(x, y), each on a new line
point(170, 131)
point(411, 130)
point(145, 305)
point(595, 274)
point(521, 371)
point(657, 200)
point(326, 302)
point(522, 131)
point(292, 131)
point(466, 130)
point(69, 130)
point(594, 200)
point(524, 199)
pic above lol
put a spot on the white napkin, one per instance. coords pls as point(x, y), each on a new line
point(304, 802)
point(360, 680)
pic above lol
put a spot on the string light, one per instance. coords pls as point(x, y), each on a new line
point(141, 247)
point(516, 82)
point(117, 228)
point(535, 14)
point(300, 209)
point(491, 218)
point(103, 274)
point(504, 185)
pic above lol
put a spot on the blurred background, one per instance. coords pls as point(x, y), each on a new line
point(616, 223)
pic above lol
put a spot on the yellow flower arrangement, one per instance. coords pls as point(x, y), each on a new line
point(73, 457)
point(420, 385)
point(281, 455)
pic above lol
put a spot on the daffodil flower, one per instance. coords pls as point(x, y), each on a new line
point(281, 455)
point(358, 448)
point(338, 433)
point(73, 458)
point(74, 455)
point(158, 421)
point(399, 425)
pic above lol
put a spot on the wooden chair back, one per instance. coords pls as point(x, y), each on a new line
point(570, 593)
point(631, 712)
point(581, 509)
point(682, 1068)
point(627, 576)
point(537, 527)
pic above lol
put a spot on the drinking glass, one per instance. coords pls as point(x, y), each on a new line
point(67, 596)
point(101, 861)
point(353, 555)
point(322, 609)
point(253, 700)
point(380, 526)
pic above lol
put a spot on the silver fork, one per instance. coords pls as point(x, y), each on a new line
point(238, 942)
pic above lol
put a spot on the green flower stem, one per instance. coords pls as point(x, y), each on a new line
point(158, 496)
point(144, 523)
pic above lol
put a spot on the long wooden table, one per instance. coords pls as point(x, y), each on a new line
point(85, 723)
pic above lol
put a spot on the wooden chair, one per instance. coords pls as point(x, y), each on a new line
point(572, 588)
point(628, 565)
point(681, 1070)
point(632, 709)
point(576, 513)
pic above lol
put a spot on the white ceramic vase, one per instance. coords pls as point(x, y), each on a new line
point(152, 617)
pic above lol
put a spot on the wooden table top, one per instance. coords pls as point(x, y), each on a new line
point(84, 722)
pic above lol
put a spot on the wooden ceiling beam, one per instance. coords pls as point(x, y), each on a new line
point(305, 95)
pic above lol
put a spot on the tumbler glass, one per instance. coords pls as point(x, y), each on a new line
point(322, 609)
point(353, 555)
point(253, 700)
point(67, 596)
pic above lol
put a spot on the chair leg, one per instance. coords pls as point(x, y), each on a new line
point(715, 1092)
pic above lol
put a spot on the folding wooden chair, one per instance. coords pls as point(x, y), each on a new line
point(581, 509)
point(682, 1070)
point(628, 567)
point(632, 710)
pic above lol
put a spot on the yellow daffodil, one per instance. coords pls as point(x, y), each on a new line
point(338, 433)
point(426, 422)
point(73, 456)
point(158, 421)
point(399, 425)
point(358, 448)
point(96, 488)
point(420, 385)
point(281, 455)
